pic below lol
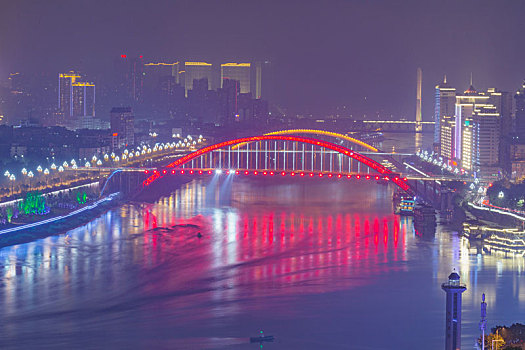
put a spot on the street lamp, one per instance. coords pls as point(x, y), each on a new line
point(12, 178)
point(99, 162)
point(53, 166)
point(7, 173)
point(65, 165)
point(46, 172)
point(30, 176)
point(87, 165)
point(24, 171)
point(39, 169)
point(501, 194)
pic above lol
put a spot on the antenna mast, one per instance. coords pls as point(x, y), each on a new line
point(483, 321)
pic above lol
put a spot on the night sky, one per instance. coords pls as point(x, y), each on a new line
point(324, 53)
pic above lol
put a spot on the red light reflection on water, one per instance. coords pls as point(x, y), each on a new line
point(328, 257)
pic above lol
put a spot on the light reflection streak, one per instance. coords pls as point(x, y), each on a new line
point(263, 245)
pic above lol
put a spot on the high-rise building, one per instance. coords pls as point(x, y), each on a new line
point(486, 137)
point(229, 101)
point(454, 289)
point(464, 109)
point(419, 126)
point(237, 71)
point(263, 80)
point(75, 98)
point(83, 99)
point(65, 92)
point(122, 127)
point(447, 134)
point(444, 105)
point(194, 71)
point(154, 72)
point(470, 134)
point(519, 97)
point(129, 79)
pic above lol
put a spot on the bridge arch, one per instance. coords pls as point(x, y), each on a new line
point(319, 132)
point(324, 132)
point(315, 142)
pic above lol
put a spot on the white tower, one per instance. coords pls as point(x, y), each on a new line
point(453, 288)
point(419, 126)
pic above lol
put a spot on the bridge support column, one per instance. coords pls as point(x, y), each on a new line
point(303, 159)
point(265, 154)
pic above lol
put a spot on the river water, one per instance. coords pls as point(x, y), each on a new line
point(318, 263)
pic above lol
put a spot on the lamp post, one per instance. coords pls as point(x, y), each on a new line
point(12, 178)
point(30, 175)
point(46, 172)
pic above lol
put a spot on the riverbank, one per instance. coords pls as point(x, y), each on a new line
point(51, 226)
point(495, 229)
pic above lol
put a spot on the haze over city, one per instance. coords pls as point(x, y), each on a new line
point(340, 174)
point(324, 54)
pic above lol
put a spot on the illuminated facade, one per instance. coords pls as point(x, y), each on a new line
point(194, 71)
point(83, 99)
point(446, 139)
point(237, 71)
point(470, 126)
point(75, 98)
point(444, 105)
point(486, 136)
point(263, 79)
point(65, 92)
point(467, 145)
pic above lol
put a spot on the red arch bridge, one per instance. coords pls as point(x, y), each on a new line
point(281, 155)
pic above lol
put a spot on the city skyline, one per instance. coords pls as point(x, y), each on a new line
point(237, 174)
point(325, 60)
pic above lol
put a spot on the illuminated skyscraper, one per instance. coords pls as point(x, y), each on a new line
point(194, 71)
point(75, 98)
point(263, 80)
point(447, 134)
point(454, 289)
point(465, 105)
point(419, 126)
point(477, 131)
point(83, 99)
point(237, 71)
point(65, 92)
point(444, 105)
